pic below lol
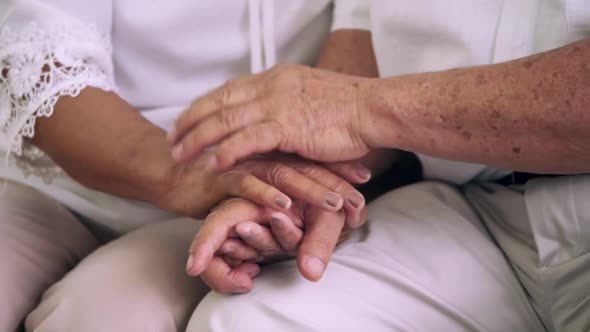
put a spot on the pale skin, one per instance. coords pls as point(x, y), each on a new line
point(528, 115)
point(348, 51)
point(275, 235)
point(132, 159)
point(105, 144)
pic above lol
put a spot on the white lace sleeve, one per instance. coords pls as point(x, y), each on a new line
point(38, 65)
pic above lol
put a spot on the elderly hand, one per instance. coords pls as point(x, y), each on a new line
point(254, 224)
point(272, 182)
point(315, 113)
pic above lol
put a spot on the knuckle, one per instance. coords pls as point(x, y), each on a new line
point(307, 169)
point(228, 120)
point(341, 187)
point(286, 75)
point(254, 134)
point(220, 209)
point(283, 67)
point(244, 183)
point(225, 93)
point(279, 134)
point(280, 175)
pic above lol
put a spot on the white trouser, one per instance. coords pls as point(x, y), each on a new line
point(427, 260)
point(132, 284)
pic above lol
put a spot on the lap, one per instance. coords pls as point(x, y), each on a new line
point(134, 283)
point(40, 240)
point(423, 262)
point(544, 230)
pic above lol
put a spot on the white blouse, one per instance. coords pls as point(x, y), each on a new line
point(159, 55)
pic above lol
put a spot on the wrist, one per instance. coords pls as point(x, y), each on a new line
point(188, 189)
point(386, 112)
point(372, 108)
point(152, 171)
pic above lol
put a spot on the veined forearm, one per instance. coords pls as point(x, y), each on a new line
point(530, 114)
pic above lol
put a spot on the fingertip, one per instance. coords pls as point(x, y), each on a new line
point(283, 202)
point(190, 264)
point(276, 222)
point(244, 230)
point(312, 268)
point(227, 248)
point(333, 201)
point(253, 270)
point(363, 173)
point(244, 275)
point(193, 267)
point(281, 220)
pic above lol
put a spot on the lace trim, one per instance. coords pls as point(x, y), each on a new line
point(37, 67)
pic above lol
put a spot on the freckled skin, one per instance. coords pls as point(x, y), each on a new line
point(530, 114)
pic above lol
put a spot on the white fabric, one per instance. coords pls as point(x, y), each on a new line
point(559, 207)
point(351, 14)
point(136, 283)
point(40, 240)
point(544, 229)
point(410, 268)
point(41, 60)
point(159, 59)
point(412, 36)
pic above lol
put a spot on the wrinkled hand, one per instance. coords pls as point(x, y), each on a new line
point(315, 113)
point(273, 182)
point(239, 234)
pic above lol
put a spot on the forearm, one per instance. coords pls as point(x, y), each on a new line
point(529, 114)
point(351, 52)
point(105, 144)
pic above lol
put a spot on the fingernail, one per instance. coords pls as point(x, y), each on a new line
point(241, 290)
point(276, 222)
point(190, 263)
point(355, 199)
point(177, 152)
point(247, 231)
point(228, 248)
point(283, 202)
point(254, 273)
point(333, 199)
point(314, 266)
point(363, 172)
point(171, 136)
